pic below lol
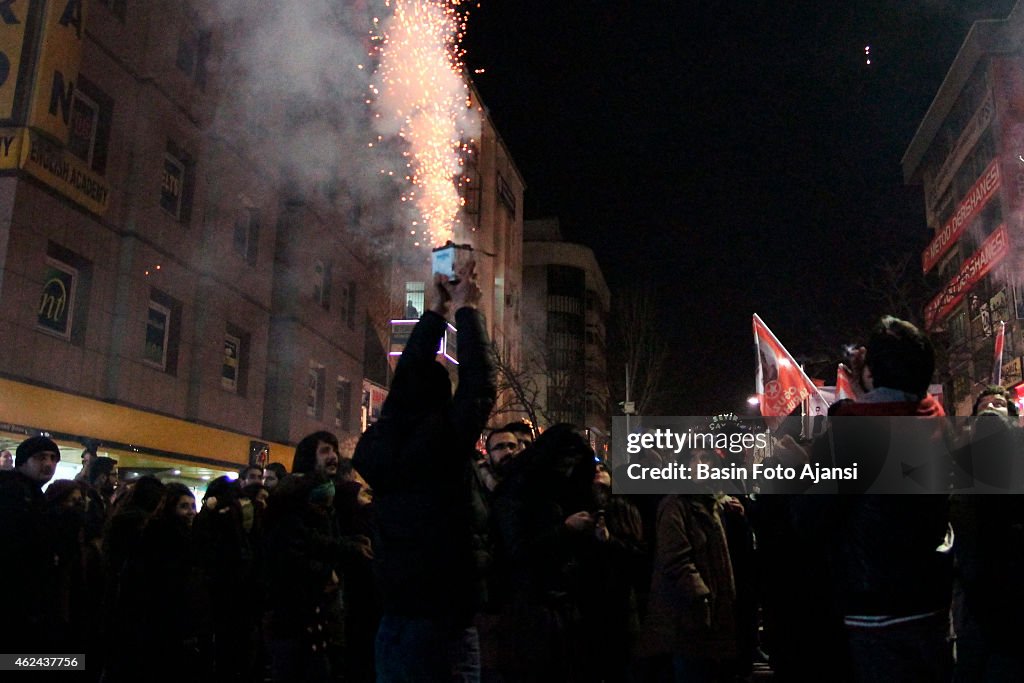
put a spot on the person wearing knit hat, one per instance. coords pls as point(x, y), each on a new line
point(37, 458)
point(27, 544)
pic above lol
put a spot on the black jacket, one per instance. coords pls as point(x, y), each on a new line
point(418, 457)
point(28, 549)
point(890, 554)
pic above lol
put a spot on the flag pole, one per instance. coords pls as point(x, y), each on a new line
point(997, 367)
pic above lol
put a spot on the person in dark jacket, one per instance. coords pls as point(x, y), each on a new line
point(431, 520)
point(67, 502)
point(229, 561)
point(988, 618)
point(303, 555)
point(545, 522)
point(891, 554)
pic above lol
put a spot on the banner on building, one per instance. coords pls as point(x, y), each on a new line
point(979, 195)
point(991, 252)
point(935, 186)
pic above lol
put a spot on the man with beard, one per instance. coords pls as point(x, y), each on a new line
point(502, 447)
point(318, 453)
point(27, 544)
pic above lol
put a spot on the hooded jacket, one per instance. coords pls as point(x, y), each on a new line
point(418, 458)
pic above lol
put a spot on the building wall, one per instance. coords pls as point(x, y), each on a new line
point(587, 307)
point(222, 262)
point(966, 158)
point(492, 222)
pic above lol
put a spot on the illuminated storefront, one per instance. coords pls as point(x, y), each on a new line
point(141, 442)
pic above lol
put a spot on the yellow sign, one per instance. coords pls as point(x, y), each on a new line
point(60, 56)
point(13, 16)
point(64, 172)
point(10, 148)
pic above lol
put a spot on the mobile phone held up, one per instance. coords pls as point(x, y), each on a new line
point(447, 259)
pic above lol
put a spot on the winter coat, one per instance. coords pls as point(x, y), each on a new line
point(303, 549)
point(418, 458)
point(691, 609)
point(889, 553)
point(28, 548)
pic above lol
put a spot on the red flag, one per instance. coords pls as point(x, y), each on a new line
point(782, 385)
point(844, 383)
point(997, 368)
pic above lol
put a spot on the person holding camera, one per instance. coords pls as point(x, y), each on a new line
point(431, 519)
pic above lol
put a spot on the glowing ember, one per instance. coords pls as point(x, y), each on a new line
point(420, 95)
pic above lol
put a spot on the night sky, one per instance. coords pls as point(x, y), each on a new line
point(741, 157)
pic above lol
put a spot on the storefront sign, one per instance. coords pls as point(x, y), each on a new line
point(59, 58)
point(10, 147)
point(64, 172)
point(13, 20)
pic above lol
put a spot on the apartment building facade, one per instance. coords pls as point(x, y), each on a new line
point(968, 157)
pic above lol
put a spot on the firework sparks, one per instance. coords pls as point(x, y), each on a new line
point(420, 95)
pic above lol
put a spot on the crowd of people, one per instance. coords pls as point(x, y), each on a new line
point(419, 558)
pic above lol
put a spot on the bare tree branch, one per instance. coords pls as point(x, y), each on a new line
point(641, 349)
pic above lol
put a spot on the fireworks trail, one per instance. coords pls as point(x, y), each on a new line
point(420, 95)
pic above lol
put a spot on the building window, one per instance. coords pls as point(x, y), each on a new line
point(414, 292)
point(235, 361)
point(176, 184)
point(958, 328)
point(469, 183)
point(163, 330)
point(89, 134)
point(343, 405)
point(566, 281)
point(348, 304)
point(230, 364)
point(999, 307)
point(315, 390)
point(193, 55)
point(117, 7)
point(506, 196)
point(247, 230)
point(322, 283)
point(57, 300)
point(158, 329)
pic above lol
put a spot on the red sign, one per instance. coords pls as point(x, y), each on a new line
point(981, 262)
point(982, 191)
